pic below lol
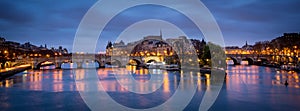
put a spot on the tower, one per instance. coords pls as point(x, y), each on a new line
point(160, 33)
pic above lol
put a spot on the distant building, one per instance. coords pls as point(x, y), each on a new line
point(2, 40)
point(13, 50)
point(59, 51)
point(154, 46)
point(119, 44)
point(291, 34)
point(247, 47)
point(232, 50)
point(153, 38)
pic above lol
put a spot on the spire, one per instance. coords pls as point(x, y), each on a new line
point(160, 33)
point(203, 40)
point(246, 43)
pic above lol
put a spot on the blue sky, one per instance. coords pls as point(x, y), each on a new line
point(54, 22)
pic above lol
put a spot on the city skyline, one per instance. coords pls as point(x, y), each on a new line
point(126, 42)
point(55, 25)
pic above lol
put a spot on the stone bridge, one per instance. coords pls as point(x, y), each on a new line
point(256, 59)
point(121, 61)
point(80, 59)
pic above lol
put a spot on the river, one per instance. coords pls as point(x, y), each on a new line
point(246, 88)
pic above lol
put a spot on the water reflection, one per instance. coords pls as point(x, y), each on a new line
point(68, 65)
point(91, 64)
point(244, 63)
point(63, 80)
point(291, 77)
point(48, 67)
point(239, 76)
point(244, 84)
point(230, 62)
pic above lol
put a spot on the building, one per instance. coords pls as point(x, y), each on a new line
point(2, 40)
point(14, 50)
point(247, 47)
point(156, 46)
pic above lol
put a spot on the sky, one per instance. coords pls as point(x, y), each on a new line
point(55, 22)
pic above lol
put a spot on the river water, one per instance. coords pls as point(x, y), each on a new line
point(246, 88)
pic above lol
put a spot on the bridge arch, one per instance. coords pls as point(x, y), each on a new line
point(66, 62)
point(39, 64)
point(134, 62)
point(5, 65)
point(82, 64)
point(235, 60)
point(99, 63)
point(114, 62)
point(250, 60)
point(151, 60)
point(263, 60)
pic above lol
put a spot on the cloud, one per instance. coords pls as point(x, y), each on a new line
point(42, 22)
point(11, 13)
point(56, 22)
point(255, 20)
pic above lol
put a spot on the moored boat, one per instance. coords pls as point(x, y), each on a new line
point(172, 67)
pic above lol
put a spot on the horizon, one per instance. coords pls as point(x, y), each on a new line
point(49, 46)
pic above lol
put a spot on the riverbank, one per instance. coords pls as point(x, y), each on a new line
point(287, 67)
point(4, 73)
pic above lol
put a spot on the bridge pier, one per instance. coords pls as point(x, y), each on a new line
point(35, 67)
point(102, 66)
point(79, 65)
point(238, 63)
point(58, 65)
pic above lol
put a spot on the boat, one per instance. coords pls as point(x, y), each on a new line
point(297, 69)
point(111, 66)
point(156, 65)
point(288, 67)
point(205, 70)
point(172, 67)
